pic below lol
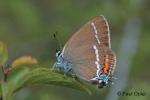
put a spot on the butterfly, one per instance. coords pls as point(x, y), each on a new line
point(88, 53)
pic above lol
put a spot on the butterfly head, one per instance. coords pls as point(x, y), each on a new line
point(101, 80)
point(59, 56)
point(58, 52)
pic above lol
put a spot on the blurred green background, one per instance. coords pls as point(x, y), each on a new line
point(27, 27)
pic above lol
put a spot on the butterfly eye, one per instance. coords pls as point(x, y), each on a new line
point(58, 52)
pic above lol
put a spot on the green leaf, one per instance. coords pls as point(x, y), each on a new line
point(27, 77)
point(23, 60)
point(3, 53)
point(45, 76)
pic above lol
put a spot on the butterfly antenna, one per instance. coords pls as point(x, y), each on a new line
point(58, 41)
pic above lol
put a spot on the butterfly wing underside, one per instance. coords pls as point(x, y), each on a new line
point(86, 68)
point(79, 49)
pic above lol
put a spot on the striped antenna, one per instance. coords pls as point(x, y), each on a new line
point(58, 41)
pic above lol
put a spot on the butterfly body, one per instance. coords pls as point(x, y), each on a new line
point(88, 53)
point(62, 63)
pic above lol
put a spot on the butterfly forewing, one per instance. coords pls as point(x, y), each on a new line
point(86, 34)
point(102, 28)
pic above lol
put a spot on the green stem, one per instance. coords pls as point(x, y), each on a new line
point(7, 94)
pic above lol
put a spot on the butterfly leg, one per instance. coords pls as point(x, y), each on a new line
point(67, 71)
point(56, 67)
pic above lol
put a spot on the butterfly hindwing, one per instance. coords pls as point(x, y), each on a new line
point(85, 65)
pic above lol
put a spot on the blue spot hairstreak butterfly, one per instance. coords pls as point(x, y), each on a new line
point(88, 53)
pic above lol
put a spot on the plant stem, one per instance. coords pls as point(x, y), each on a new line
point(6, 92)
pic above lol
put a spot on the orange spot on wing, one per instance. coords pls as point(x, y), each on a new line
point(105, 68)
